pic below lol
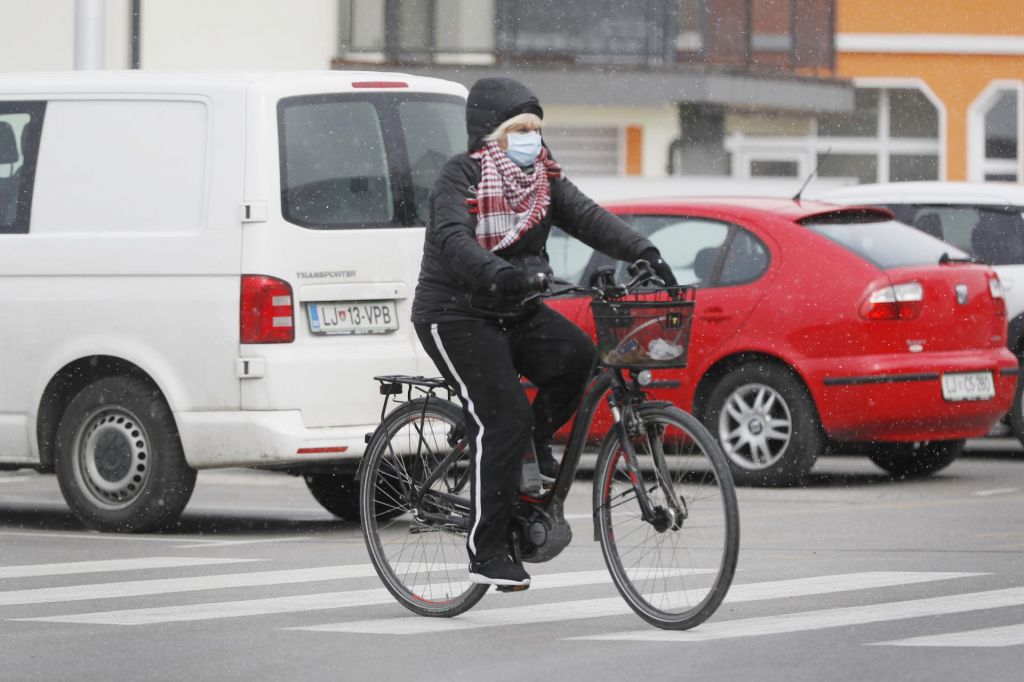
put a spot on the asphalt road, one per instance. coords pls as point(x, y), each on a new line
point(853, 577)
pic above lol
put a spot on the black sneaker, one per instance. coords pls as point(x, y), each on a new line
point(547, 464)
point(500, 570)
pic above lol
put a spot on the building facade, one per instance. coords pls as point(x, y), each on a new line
point(631, 87)
point(865, 90)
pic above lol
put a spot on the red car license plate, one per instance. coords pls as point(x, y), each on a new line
point(968, 386)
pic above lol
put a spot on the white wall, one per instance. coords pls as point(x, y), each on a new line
point(38, 35)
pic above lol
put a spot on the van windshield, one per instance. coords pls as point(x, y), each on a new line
point(358, 161)
point(887, 244)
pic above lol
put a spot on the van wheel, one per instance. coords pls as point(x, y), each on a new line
point(915, 459)
point(338, 493)
point(766, 423)
point(119, 460)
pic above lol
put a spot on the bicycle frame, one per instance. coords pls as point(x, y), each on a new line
point(623, 398)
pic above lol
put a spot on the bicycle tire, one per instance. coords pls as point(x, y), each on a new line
point(422, 563)
point(674, 579)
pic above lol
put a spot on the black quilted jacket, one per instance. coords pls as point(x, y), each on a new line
point(456, 273)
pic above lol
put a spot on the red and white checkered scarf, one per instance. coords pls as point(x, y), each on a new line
point(510, 201)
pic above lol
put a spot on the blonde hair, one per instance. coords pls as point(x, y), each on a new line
point(529, 120)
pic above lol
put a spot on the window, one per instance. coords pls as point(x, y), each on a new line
point(600, 31)
point(861, 122)
point(568, 256)
point(364, 161)
point(20, 126)
point(996, 125)
point(994, 235)
point(863, 167)
point(769, 168)
point(433, 132)
point(333, 165)
point(887, 244)
point(690, 245)
point(745, 261)
point(418, 30)
point(892, 135)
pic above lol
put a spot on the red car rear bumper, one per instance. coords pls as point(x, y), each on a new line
point(874, 398)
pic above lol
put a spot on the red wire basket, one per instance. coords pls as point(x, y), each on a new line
point(645, 330)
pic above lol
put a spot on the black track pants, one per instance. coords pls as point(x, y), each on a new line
point(484, 359)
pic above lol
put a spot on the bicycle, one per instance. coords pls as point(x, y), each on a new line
point(664, 504)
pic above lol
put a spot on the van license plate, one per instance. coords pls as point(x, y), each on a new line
point(968, 386)
point(353, 317)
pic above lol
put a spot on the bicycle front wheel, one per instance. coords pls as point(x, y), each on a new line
point(414, 502)
point(674, 567)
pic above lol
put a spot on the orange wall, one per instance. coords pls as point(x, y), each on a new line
point(957, 79)
point(996, 17)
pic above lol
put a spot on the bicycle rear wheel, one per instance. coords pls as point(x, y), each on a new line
point(673, 571)
point(417, 543)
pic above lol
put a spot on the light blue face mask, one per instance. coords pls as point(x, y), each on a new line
point(523, 148)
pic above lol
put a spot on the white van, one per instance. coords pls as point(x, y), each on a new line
point(206, 270)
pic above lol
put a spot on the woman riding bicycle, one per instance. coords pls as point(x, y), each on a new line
point(491, 210)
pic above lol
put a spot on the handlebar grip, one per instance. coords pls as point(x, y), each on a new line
point(539, 282)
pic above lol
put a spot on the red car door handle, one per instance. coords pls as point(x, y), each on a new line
point(714, 314)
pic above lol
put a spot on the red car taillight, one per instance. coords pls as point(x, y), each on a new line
point(897, 302)
point(995, 287)
point(266, 310)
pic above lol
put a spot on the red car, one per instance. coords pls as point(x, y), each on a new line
point(820, 327)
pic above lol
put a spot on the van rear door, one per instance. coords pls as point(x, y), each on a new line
point(332, 247)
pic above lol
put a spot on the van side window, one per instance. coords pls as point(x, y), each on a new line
point(20, 125)
point(122, 166)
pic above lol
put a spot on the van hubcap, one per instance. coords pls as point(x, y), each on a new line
point(112, 458)
point(755, 426)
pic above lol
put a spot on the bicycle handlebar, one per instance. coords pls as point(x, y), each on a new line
point(642, 274)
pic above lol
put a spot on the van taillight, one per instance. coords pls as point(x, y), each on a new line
point(266, 310)
point(897, 302)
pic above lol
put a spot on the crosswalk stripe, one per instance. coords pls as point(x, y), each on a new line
point(593, 608)
point(828, 618)
point(136, 588)
point(105, 565)
point(1007, 635)
point(291, 604)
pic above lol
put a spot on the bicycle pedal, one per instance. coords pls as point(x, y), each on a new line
point(512, 588)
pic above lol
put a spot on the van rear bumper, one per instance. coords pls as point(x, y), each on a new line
point(264, 437)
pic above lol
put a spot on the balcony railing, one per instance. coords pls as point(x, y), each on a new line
point(740, 35)
point(784, 35)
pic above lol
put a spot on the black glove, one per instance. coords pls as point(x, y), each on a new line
point(514, 283)
point(660, 267)
point(511, 283)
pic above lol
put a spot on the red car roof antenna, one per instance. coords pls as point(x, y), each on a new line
point(796, 197)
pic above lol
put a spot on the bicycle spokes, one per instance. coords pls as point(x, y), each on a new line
point(671, 562)
point(416, 471)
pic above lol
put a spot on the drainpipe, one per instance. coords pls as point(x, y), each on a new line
point(90, 22)
point(136, 37)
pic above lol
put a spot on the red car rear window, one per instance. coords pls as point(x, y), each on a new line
point(887, 244)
